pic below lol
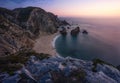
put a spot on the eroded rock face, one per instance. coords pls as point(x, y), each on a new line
point(75, 31)
point(12, 37)
point(37, 20)
point(63, 70)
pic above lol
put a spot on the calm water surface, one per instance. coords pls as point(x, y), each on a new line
point(103, 40)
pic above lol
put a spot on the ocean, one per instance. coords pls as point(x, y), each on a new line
point(102, 41)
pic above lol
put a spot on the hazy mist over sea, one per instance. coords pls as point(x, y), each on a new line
point(103, 40)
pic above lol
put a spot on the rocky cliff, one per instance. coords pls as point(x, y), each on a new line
point(12, 37)
point(20, 27)
point(37, 20)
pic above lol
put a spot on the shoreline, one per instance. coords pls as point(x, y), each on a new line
point(54, 40)
point(46, 44)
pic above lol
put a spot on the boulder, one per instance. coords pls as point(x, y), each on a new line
point(63, 31)
point(84, 32)
point(75, 31)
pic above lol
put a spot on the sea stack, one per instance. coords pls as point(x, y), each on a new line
point(84, 32)
point(75, 31)
point(63, 31)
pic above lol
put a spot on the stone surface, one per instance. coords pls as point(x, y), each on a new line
point(75, 31)
point(63, 70)
point(84, 32)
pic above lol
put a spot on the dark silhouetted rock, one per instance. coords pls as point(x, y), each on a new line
point(75, 31)
point(118, 67)
point(84, 32)
point(63, 31)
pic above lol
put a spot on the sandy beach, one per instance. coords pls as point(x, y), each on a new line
point(45, 44)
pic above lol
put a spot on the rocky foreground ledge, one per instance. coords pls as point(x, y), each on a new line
point(47, 69)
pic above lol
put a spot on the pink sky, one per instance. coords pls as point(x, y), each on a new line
point(92, 8)
point(74, 8)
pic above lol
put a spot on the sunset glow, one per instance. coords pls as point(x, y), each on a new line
point(106, 8)
point(74, 8)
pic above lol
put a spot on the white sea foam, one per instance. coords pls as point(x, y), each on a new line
point(54, 40)
point(53, 44)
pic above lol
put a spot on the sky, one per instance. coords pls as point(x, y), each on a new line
point(70, 8)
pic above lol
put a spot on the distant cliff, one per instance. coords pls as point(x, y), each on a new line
point(19, 27)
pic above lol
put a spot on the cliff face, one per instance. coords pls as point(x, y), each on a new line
point(20, 26)
point(12, 37)
point(37, 20)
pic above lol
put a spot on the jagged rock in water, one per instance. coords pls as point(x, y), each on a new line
point(84, 32)
point(63, 31)
point(75, 31)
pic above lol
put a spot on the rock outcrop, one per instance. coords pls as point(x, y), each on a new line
point(63, 30)
point(63, 70)
point(84, 32)
point(75, 31)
